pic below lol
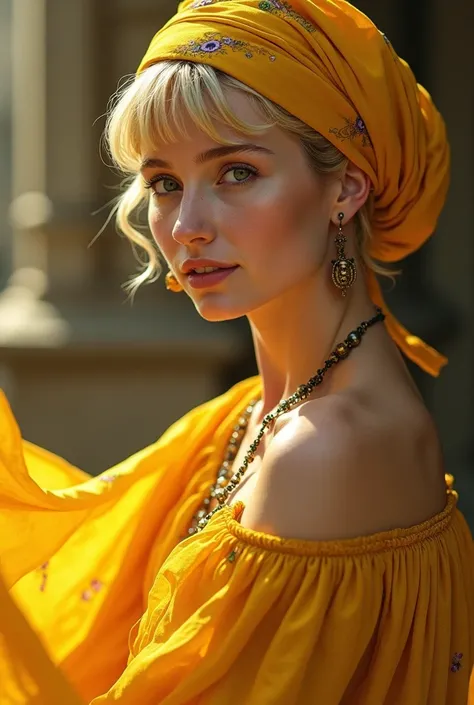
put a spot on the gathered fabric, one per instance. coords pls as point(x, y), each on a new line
point(108, 605)
point(326, 63)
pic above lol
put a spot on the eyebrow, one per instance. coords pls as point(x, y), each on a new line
point(207, 156)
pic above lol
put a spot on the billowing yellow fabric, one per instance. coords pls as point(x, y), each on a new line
point(80, 560)
point(327, 63)
point(129, 614)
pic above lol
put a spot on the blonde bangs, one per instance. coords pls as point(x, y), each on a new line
point(153, 110)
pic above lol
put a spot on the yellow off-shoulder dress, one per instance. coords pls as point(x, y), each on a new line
point(107, 605)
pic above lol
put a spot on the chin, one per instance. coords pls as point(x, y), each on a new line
point(213, 310)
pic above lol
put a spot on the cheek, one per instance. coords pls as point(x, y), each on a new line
point(289, 228)
point(158, 229)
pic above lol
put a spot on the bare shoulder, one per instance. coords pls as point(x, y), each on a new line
point(337, 470)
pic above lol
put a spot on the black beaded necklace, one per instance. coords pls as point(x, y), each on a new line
point(340, 352)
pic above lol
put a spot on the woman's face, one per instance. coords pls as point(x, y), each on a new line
point(264, 212)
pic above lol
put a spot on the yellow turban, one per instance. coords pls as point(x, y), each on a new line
point(327, 64)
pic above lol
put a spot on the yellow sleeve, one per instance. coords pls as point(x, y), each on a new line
point(79, 553)
point(236, 616)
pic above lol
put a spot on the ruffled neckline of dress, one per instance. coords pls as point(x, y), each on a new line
point(230, 518)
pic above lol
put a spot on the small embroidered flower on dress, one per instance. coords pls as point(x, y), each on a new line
point(456, 664)
point(96, 585)
point(108, 478)
point(352, 130)
point(217, 43)
point(44, 576)
point(284, 9)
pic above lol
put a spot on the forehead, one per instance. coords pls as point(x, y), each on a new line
point(189, 134)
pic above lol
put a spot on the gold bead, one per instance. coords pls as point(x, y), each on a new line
point(221, 495)
point(342, 350)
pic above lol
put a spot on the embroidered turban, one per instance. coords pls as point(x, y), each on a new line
point(327, 64)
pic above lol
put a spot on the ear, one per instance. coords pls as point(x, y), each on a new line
point(355, 187)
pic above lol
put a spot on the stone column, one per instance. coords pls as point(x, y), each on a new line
point(25, 319)
point(30, 204)
point(5, 140)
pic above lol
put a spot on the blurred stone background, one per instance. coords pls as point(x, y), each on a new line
point(93, 378)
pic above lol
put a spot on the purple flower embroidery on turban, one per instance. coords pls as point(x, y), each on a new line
point(360, 125)
point(211, 46)
point(216, 43)
point(456, 663)
point(284, 10)
point(351, 130)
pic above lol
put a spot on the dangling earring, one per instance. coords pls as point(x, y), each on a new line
point(172, 284)
point(344, 272)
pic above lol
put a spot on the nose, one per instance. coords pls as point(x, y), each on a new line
point(193, 224)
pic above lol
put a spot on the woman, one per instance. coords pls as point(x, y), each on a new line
point(294, 540)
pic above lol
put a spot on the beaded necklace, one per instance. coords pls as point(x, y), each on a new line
point(225, 483)
point(225, 470)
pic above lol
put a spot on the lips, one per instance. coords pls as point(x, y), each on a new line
point(209, 279)
point(190, 265)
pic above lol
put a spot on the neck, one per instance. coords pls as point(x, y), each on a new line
point(295, 334)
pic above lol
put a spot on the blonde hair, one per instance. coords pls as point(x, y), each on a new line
point(152, 108)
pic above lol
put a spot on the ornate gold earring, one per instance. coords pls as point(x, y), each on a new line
point(172, 284)
point(344, 272)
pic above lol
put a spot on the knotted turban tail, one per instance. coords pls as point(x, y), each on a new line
point(419, 352)
point(326, 63)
